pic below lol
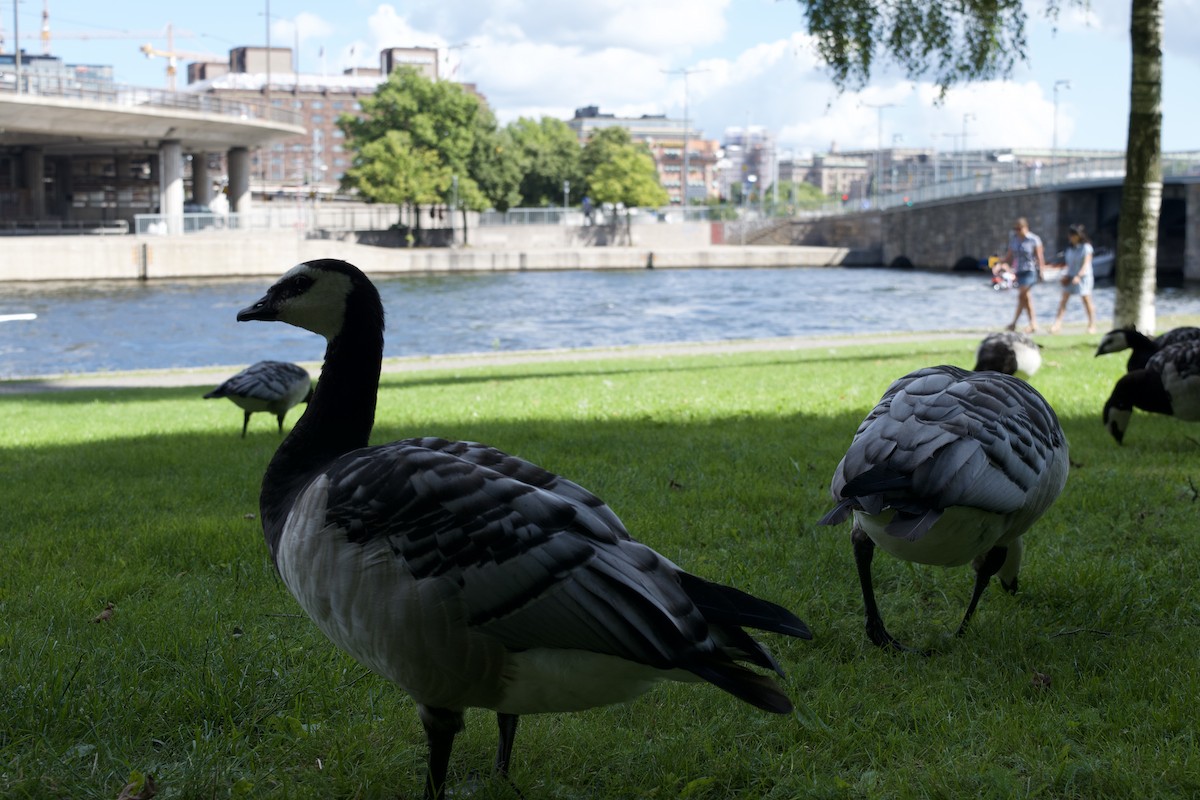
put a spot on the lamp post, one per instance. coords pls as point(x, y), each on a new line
point(879, 147)
point(566, 199)
point(686, 165)
point(966, 117)
point(1065, 84)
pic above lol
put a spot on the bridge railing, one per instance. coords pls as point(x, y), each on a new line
point(108, 93)
point(1018, 177)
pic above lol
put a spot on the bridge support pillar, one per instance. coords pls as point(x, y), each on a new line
point(33, 168)
point(201, 183)
point(170, 184)
point(239, 180)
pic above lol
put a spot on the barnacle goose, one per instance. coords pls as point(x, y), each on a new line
point(1142, 345)
point(1010, 352)
point(273, 386)
point(1168, 384)
point(951, 466)
point(470, 577)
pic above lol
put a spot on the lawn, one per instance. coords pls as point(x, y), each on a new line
point(206, 676)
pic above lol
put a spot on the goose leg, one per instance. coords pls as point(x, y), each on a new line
point(864, 554)
point(245, 423)
point(985, 568)
point(441, 726)
point(280, 418)
point(508, 731)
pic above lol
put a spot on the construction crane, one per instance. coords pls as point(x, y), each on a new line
point(45, 35)
point(172, 56)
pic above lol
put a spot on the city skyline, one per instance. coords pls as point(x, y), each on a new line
point(747, 62)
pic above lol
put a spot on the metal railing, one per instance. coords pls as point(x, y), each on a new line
point(55, 227)
point(114, 94)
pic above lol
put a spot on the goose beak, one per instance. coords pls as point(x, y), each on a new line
point(261, 310)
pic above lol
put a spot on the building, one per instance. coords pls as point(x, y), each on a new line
point(749, 166)
point(666, 140)
point(313, 163)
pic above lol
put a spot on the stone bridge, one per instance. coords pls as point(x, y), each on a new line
point(955, 232)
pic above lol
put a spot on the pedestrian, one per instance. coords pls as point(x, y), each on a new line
point(1078, 278)
point(1028, 261)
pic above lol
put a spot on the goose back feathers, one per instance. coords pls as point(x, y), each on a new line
point(274, 386)
point(950, 467)
point(1141, 345)
point(1010, 352)
point(1168, 384)
point(470, 577)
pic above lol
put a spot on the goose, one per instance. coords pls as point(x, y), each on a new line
point(1010, 352)
point(1142, 345)
point(470, 577)
point(1168, 384)
point(950, 467)
point(274, 386)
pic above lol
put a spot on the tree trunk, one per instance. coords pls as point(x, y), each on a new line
point(1141, 196)
point(464, 225)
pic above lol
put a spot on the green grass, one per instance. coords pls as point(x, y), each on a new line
point(208, 678)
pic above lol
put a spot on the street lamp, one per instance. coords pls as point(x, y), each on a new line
point(967, 116)
point(686, 169)
point(1065, 84)
point(879, 147)
point(566, 199)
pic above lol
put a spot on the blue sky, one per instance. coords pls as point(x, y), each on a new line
point(753, 63)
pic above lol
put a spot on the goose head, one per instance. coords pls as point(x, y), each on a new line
point(313, 295)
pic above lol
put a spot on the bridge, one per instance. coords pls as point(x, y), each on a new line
point(956, 223)
point(57, 129)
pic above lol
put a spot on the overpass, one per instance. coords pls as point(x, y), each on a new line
point(95, 152)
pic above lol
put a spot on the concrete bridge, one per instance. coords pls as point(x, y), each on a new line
point(954, 229)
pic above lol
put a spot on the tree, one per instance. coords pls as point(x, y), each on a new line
point(627, 178)
point(423, 142)
point(953, 43)
point(1141, 196)
point(548, 154)
point(602, 147)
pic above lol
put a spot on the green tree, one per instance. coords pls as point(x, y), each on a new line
point(951, 43)
point(627, 178)
point(602, 147)
point(413, 124)
point(548, 154)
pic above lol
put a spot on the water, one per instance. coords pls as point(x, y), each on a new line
point(103, 326)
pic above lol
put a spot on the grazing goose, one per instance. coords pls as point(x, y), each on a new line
point(469, 577)
point(1010, 352)
point(951, 466)
point(1168, 384)
point(273, 386)
point(1142, 345)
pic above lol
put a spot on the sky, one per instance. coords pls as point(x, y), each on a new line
point(748, 62)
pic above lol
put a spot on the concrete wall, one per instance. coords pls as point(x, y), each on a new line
point(269, 254)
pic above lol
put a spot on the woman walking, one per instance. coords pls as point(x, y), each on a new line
point(1079, 278)
point(1027, 259)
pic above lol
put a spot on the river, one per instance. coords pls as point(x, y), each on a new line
point(105, 326)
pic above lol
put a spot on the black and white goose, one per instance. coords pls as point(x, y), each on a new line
point(1141, 345)
point(1168, 384)
point(1010, 352)
point(274, 386)
point(469, 577)
point(950, 467)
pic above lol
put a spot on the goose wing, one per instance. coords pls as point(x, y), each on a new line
point(943, 437)
point(265, 380)
point(537, 561)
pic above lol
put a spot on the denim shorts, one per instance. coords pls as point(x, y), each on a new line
point(1027, 278)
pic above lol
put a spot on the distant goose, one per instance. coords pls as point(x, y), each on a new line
point(469, 577)
point(950, 467)
point(1010, 352)
point(1142, 345)
point(1168, 384)
point(273, 386)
